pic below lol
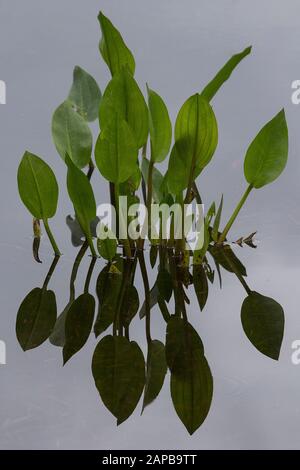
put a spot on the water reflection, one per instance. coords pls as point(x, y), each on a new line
point(121, 373)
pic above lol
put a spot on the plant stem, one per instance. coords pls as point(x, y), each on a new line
point(149, 194)
point(235, 213)
point(89, 275)
point(147, 293)
point(91, 169)
point(125, 242)
point(75, 268)
point(50, 272)
point(51, 238)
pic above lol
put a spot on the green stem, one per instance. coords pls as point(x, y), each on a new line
point(147, 293)
point(51, 238)
point(125, 242)
point(235, 214)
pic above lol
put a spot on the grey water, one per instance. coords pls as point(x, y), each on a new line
point(178, 47)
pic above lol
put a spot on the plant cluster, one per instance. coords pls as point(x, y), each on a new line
point(127, 124)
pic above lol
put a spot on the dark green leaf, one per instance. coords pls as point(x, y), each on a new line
point(37, 186)
point(79, 322)
point(36, 318)
point(118, 368)
point(215, 84)
point(116, 151)
point(71, 135)
point(58, 337)
point(179, 340)
point(112, 47)
point(82, 197)
point(192, 391)
point(225, 256)
point(165, 284)
point(200, 284)
point(85, 94)
point(160, 127)
point(263, 322)
point(130, 305)
point(156, 371)
point(267, 155)
point(123, 96)
point(108, 288)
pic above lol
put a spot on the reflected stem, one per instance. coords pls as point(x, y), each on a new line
point(235, 214)
point(147, 294)
point(75, 268)
point(238, 275)
point(89, 275)
point(51, 238)
point(50, 272)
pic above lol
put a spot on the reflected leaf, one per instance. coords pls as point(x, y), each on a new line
point(108, 288)
point(36, 318)
point(130, 305)
point(154, 295)
point(57, 337)
point(191, 379)
point(156, 371)
point(79, 322)
point(200, 284)
point(263, 322)
point(164, 284)
point(118, 368)
point(153, 255)
point(225, 256)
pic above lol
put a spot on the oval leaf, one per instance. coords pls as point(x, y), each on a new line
point(106, 242)
point(37, 186)
point(36, 318)
point(85, 94)
point(267, 155)
point(78, 325)
point(200, 284)
point(82, 197)
point(72, 135)
point(118, 368)
point(123, 96)
point(156, 371)
point(116, 151)
point(263, 322)
point(160, 127)
point(113, 48)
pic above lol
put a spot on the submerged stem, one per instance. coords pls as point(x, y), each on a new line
point(50, 272)
point(235, 213)
point(147, 293)
point(51, 238)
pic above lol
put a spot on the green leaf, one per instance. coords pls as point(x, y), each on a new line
point(37, 186)
point(36, 318)
point(85, 94)
point(108, 288)
point(79, 322)
point(112, 47)
point(164, 284)
point(196, 138)
point(123, 96)
point(191, 379)
point(57, 337)
point(130, 305)
point(156, 371)
point(160, 127)
point(106, 242)
point(154, 295)
point(267, 155)
point(200, 284)
point(263, 322)
point(82, 197)
point(215, 84)
point(116, 151)
point(118, 368)
point(71, 135)
point(215, 230)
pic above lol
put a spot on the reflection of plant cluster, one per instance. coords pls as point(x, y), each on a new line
point(126, 124)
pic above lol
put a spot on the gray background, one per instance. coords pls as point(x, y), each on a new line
point(178, 46)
